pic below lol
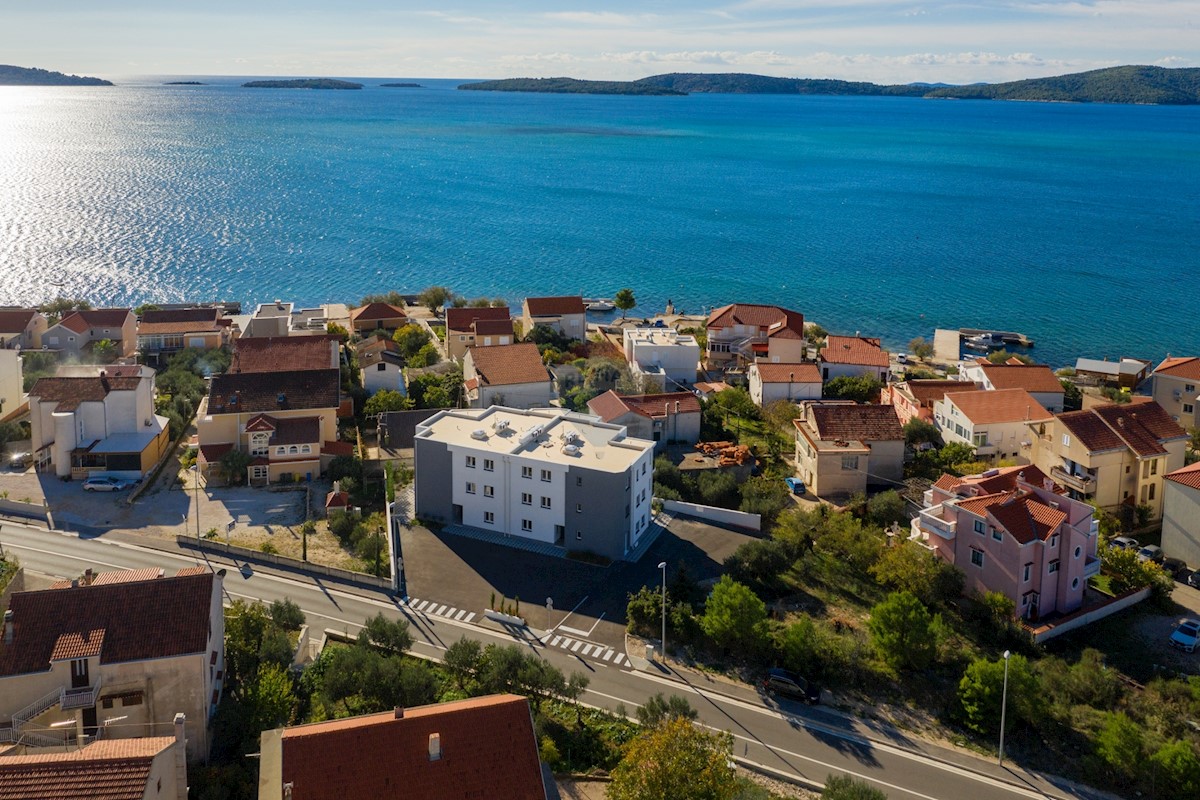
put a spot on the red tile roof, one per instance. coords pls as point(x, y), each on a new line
point(461, 319)
point(611, 405)
point(180, 320)
point(260, 391)
point(1005, 480)
point(78, 644)
point(554, 306)
point(212, 453)
point(1142, 427)
point(140, 620)
point(284, 354)
point(337, 500)
point(508, 364)
point(1030, 377)
point(110, 769)
point(1188, 367)
point(787, 373)
point(69, 393)
point(337, 448)
point(80, 321)
point(855, 422)
point(127, 576)
point(1188, 476)
point(775, 321)
point(16, 320)
point(928, 392)
point(493, 327)
point(488, 750)
point(984, 407)
point(1021, 514)
point(858, 351)
point(377, 311)
point(297, 430)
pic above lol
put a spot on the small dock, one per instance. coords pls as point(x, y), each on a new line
point(1008, 337)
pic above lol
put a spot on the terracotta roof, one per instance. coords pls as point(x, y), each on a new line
point(611, 405)
point(492, 327)
point(787, 373)
point(110, 769)
point(859, 351)
point(1091, 431)
point(69, 393)
point(1021, 514)
point(984, 407)
point(554, 306)
point(212, 453)
point(337, 500)
point(856, 422)
point(184, 571)
point(508, 364)
point(607, 406)
point(1142, 427)
point(284, 354)
point(1030, 377)
point(297, 430)
point(337, 448)
point(488, 749)
point(711, 387)
point(947, 482)
point(928, 392)
point(777, 322)
point(180, 320)
point(1005, 480)
point(461, 319)
point(377, 311)
point(15, 320)
point(1188, 476)
point(1180, 368)
point(80, 321)
point(78, 644)
point(140, 620)
point(260, 391)
point(127, 576)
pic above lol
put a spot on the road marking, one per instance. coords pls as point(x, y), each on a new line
point(469, 617)
point(609, 654)
point(577, 646)
point(460, 614)
point(566, 643)
point(554, 642)
point(421, 605)
point(575, 631)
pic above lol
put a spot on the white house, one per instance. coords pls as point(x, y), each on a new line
point(996, 423)
point(567, 315)
point(1181, 514)
point(662, 358)
point(11, 383)
point(548, 475)
point(741, 333)
point(668, 418)
point(381, 365)
point(852, 357)
point(511, 375)
point(1037, 379)
point(790, 382)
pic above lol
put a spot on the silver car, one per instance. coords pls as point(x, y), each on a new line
point(103, 483)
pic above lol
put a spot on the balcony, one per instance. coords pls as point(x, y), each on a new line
point(931, 520)
point(84, 697)
point(1080, 483)
point(1091, 567)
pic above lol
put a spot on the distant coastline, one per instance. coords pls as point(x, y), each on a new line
point(32, 76)
point(303, 83)
point(184, 83)
point(572, 86)
point(402, 86)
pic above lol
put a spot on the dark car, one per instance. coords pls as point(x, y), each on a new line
point(788, 684)
point(1175, 568)
point(1193, 580)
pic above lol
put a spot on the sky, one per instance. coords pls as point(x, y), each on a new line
point(887, 41)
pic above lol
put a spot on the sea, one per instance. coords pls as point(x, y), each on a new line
point(1077, 225)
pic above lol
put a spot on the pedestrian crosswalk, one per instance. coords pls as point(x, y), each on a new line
point(600, 652)
point(435, 609)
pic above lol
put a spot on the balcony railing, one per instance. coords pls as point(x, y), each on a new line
point(1091, 567)
point(931, 520)
point(84, 697)
point(1082, 483)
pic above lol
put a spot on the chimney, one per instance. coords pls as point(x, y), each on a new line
point(399, 712)
point(88, 576)
point(435, 747)
point(676, 406)
point(8, 627)
point(181, 784)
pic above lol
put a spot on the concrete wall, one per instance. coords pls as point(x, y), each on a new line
point(520, 395)
point(432, 481)
point(1163, 389)
point(723, 516)
point(15, 508)
point(391, 377)
point(11, 382)
point(764, 394)
point(1181, 523)
point(786, 351)
point(596, 518)
point(1060, 627)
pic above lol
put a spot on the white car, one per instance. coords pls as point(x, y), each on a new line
point(1125, 543)
point(1186, 635)
point(103, 483)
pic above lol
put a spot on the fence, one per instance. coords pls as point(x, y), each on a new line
point(246, 554)
point(724, 516)
point(1088, 616)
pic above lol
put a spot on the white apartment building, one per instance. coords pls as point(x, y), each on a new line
point(662, 358)
point(544, 474)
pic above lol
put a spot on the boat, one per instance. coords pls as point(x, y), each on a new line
point(984, 342)
point(600, 305)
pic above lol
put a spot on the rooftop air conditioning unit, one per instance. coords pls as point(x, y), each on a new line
point(480, 434)
point(571, 450)
point(500, 425)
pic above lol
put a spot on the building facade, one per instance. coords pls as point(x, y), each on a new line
point(661, 359)
point(995, 423)
point(853, 357)
point(22, 328)
point(792, 383)
point(742, 333)
point(567, 315)
point(841, 448)
point(671, 418)
point(1181, 514)
point(477, 327)
point(915, 399)
point(509, 375)
point(1176, 387)
point(78, 332)
point(1037, 379)
point(163, 333)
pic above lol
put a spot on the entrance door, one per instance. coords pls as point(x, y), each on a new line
point(458, 514)
point(79, 674)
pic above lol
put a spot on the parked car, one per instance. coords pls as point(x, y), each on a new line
point(19, 461)
point(1186, 635)
point(795, 484)
point(1151, 552)
point(788, 684)
point(1175, 568)
point(104, 483)
point(902, 358)
point(1125, 543)
point(1193, 580)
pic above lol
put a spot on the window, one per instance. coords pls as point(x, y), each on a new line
point(546, 475)
point(470, 488)
point(1053, 540)
point(279, 451)
point(258, 444)
point(579, 480)
point(306, 449)
point(627, 511)
point(979, 526)
point(527, 525)
point(1154, 467)
point(1053, 567)
point(579, 508)
point(489, 465)
point(980, 439)
point(1189, 387)
point(976, 557)
point(849, 463)
point(293, 450)
point(1075, 583)
point(258, 473)
point(489, 518)
point(526, 499)
point(526, 472)
point(545, 502)
point(1027, 572)
point(998, 535)
point(107, 702)
point(1152, 487)
point(1066, 440)
point(489, 491)
point(470, 462)
point(381, 367)
point(1145, 469)
point(1078, 550)
point(1188, 408)
point(643, 467)
point(579, 535)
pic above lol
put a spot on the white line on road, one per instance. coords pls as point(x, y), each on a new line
point(554, 642)
point(577, 646)
point(609, 654)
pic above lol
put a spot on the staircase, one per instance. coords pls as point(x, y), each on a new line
point(37, 707)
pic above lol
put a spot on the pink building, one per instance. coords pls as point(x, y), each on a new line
point(1012, 531)
point(915, 399)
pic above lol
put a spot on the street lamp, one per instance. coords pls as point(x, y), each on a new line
point(663, 566)
point(1004, 706)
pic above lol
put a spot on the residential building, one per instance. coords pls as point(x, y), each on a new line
point(12, 383)
point(1176, 387)
point(915, 399)
point(546, 475)
point(996, 423)
point(279, 403)
point(147, 768)
point(1181, 514)
point(97, 419)
point(377, 316)
point(1111, 454)
point(477, 327)
point(672, 418)
point(742, 333)
point(853, 357)
point(1012, 531)
point(1037, 379)
point(509, 375)
point(380, 365)
point(791, 382)
point(483, 747)
point(79, 331)
point(130, 645)
point(280, 319)
point(1127, 373)
point(841, 448)
point(162, 333)
point(661, 359)
point(22, 328)
point(567, 315)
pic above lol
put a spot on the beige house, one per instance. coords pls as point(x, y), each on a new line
point(742, 333)
point(791, 382)
point(1111, 454)
point(162, 333)
point(915, 399)
point(377, 316)
point(1181, 514)
point(841, 448)
point(995, 423)
point(567, 315)
point(146, 768)
point(12, 383)
point(853, 357)
point(79, 331)
point(130, 645)
point(1037, 379)
point(97, 419)
point(22, 327)
point(512, 375)
point(477, 327)
point(1176, 387)
point(673, 417)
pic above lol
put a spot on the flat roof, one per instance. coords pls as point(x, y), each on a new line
point(539, 433)
point(660, 337)
point(131, 442)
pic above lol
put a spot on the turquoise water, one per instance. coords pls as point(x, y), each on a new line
point(1078, 225)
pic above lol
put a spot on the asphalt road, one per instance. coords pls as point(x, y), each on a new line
point(808, 744)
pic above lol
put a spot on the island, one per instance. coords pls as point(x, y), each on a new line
point(303, 83)
point(31, 76)
point(402, 86)
point(184, 83)
point(1127, 84)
